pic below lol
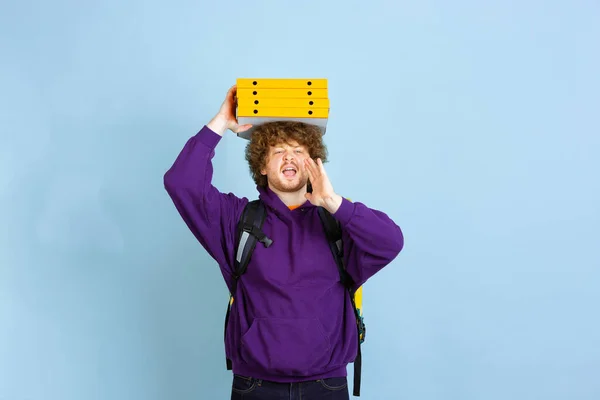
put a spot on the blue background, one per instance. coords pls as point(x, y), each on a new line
point(475, 126)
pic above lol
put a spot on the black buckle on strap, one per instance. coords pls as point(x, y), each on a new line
point(253, 230)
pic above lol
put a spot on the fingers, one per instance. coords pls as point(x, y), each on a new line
point(230, 94)
point(321, 166)
point(311, 167)
point(232, 90)
point(228, 105)
point(317, 168)
point(310, 163)
point(230, 97)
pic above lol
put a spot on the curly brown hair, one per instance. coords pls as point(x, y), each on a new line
point(277, 132)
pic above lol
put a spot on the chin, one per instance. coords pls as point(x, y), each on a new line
point(288, 186)
point(292, 188)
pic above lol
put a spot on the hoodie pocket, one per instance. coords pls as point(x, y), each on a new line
point(286, 346)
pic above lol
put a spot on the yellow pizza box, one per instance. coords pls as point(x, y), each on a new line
point(293, 112)
point(262, 100)
point(281, 93)
point(282, 83)
point(282, 102)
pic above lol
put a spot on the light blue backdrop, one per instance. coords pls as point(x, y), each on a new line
point(474, 125)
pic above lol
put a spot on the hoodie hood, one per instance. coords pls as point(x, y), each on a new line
point(272, 201)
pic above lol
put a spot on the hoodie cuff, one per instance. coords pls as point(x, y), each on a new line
point(208, 137)
point(345, 212)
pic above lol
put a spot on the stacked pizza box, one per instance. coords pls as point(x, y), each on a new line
point(261, 100)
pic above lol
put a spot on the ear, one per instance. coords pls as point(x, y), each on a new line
point(263, 172)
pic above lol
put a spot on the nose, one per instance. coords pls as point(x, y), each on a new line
point(289, 155)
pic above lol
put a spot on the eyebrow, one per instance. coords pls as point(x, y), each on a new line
point(294, 147)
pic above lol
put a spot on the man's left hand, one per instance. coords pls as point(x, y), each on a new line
point(322, 194)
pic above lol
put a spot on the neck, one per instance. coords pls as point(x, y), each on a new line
point(291, 198)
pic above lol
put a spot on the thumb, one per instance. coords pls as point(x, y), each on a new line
point(241, 128)
point(244, 128)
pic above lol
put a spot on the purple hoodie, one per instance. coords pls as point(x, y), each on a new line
point(291, 320)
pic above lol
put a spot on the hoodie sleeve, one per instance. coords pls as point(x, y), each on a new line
point(371, 239)
point(209, 214)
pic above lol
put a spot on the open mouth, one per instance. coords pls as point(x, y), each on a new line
point(289, 172)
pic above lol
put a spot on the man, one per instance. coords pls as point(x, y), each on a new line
point(292, 329)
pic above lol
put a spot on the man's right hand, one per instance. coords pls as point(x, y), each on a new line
point(225, 118)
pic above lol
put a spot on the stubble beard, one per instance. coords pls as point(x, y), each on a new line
point(283, 185)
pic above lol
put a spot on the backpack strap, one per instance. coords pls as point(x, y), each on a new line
point(334, 237)
point(249, 233)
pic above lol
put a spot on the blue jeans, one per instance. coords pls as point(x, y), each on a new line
point(244, 388)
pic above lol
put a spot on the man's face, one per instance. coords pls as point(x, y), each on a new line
point(284, 167)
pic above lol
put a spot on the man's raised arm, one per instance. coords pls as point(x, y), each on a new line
point(209, 214)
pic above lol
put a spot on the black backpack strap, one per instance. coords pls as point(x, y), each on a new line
point(249, 233)
point(334, 237)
